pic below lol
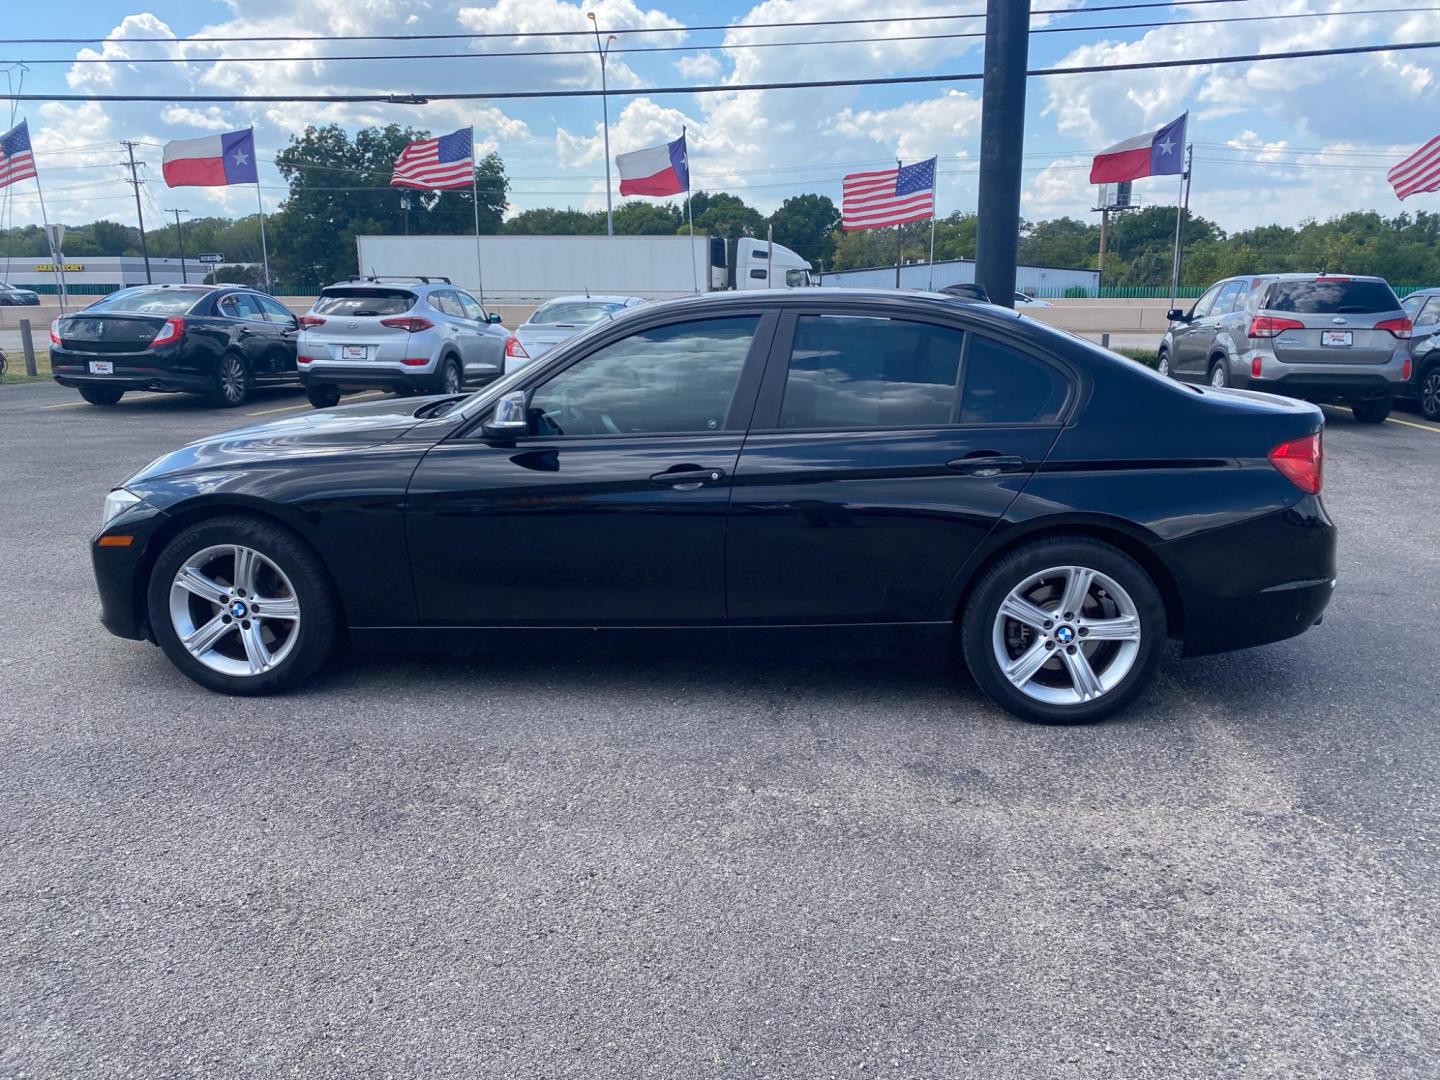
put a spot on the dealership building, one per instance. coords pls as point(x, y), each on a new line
point(86, 276)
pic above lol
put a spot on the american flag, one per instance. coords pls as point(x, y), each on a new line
point(1418, 172)
point(443, 164)
point(874, 200)
point(16, 160)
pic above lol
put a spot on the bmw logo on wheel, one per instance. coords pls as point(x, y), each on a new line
point(1064, 635)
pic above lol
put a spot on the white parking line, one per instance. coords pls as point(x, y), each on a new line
point(1395, 420)
point(307, 405)
point(86, 404)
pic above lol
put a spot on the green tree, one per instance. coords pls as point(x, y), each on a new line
point(806, 224)
point(546, 221)
point(1061, 242)
point(648, 219)
point(722, 214)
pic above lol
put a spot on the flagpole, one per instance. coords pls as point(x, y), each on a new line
point(54, 250)
point(689, 217)
point(264, 248)
point(475, 198)
point(1181, 208)
point(935, 181)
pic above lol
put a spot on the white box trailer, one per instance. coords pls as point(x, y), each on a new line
point(530, 269)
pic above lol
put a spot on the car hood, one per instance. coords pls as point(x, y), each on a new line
point(308, 434)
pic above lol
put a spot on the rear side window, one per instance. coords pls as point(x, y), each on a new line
point(860, 372)
point(1332, 296)
point(340, 302)
point(1003, 386)
point(149, 302)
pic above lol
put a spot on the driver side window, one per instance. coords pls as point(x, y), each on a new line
point(672, 379)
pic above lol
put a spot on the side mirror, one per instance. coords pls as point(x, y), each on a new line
point(1176, 315)
point(493, 318)
point(508, 422)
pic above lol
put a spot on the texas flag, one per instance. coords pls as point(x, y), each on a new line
point(1160, 153)
point(214, 161)
point(656, 170)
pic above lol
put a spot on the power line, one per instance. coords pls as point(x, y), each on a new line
point(481, 35)
point(724, 46)
point(893, 80)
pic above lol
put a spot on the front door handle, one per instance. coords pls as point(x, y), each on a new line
point(687, 477)
point(985, 463)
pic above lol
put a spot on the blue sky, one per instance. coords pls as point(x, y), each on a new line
point(1275, 142)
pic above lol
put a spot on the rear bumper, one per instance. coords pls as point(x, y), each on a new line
point(159, 369)
point(1255, 582)
point(163, 381)
point(1330, 386)
point(359, 375)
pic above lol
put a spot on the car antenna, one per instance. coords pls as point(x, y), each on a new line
point(587, 292)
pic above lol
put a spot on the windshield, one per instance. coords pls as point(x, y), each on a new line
point(150, 301)
point(364, 302)
point(574, 312)
point(1331, 296)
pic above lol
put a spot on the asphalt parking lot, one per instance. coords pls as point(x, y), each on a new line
point(664, 867)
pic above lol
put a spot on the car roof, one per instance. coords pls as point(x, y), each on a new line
point(911, 300)
point(1310, 277)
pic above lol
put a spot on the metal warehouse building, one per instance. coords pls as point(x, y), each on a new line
point(1039, 281)
point(87, 276)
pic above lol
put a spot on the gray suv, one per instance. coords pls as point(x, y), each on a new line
point(1319, 337)
point(1423, 307)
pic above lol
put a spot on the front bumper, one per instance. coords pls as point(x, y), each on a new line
point(1255, 582)
point(121, 571)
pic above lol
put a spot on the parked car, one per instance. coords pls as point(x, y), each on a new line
point(410, 334)
point(1023, 300)
point(1423, 309)
point(221, 341)
point(971, 291)
point(849, 468)
point(17, 295)
point(1318, 337)
point(558, 320)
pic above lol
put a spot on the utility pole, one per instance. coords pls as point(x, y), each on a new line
point(604, 53)
point(135, 182)
point(1002, 142)
point(180, 241)
point(405, 209)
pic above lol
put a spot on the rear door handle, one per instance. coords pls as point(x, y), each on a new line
point(687, 477)
point(986, 464)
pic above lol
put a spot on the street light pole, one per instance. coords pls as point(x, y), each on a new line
point(604, 52)
point(179, 241)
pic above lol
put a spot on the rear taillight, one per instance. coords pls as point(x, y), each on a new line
point(514, 348)
point(1267, 326)
point(307, 321)
point(1401, 328)
point(169, 333)
point(55, 332)
point(1302, 461)
point(411, 324)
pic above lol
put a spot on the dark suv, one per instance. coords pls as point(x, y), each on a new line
point(1318, 337)
point(216, 340)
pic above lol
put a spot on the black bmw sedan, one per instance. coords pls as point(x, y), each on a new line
point(217, 340)
point(818, 467)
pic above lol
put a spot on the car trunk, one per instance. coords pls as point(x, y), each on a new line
point(540, 338)
point(1337, 318)
point(353, 327)
point(104, 334)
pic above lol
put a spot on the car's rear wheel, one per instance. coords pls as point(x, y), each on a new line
point(1219, 375)
point(1065, 630)
point(449, 381)
point(1430, 393)
point(1162, 363)
point(1373, 411)
point(323, 396)
point(232, 382)
point(102, 395)
point(242, 606)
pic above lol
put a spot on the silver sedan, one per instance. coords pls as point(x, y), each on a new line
point(560, 319)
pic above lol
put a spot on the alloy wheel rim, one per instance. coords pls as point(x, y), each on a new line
point(1164, 365)
point(452, 379)
point(1067, 635)
point(1217, 377)
point(234, 610)
point(1430, 396)
point(232, 379)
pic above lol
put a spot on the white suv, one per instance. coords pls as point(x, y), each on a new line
point(409, 334)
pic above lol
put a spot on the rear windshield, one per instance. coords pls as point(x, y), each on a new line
point(579, 312)
point(1333, 297)
point(149, 301)
point(364, 302)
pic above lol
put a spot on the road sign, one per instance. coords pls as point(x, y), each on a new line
point(211, 257)
point(55, 234)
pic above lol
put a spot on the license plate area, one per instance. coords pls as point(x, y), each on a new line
point(354, 352)
point(102, 367)
point(1337, 339)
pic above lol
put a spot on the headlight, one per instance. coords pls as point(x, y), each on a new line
point(116, 503)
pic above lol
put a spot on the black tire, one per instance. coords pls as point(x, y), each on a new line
point(232, 382)
point(449, 379)
point(979, 621)
point(102, 395)
point(1162, 363)
point(1373, 411)
point(1218, 368)
point(319, 626)
point(1430, 392)
point(323, 395)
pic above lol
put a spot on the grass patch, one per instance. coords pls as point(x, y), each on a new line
point(15, 367)
point(1140, 356)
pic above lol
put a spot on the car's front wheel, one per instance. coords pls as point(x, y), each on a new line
point(1162, 363)
point(1064, 630)
point(1430, 393)
point(102, 395)
point(242, 606)
point(1374, 411)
